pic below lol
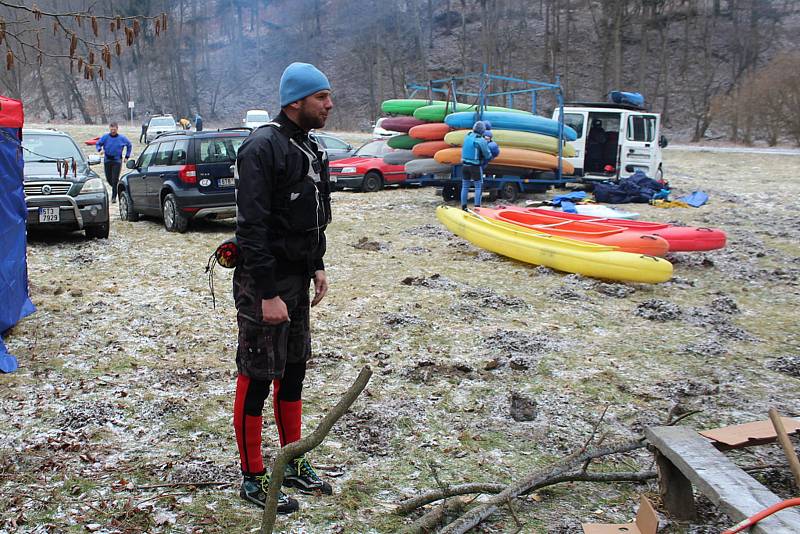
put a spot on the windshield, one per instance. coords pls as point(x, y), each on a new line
point(43, 146)
point(257, 118)
point(372, 149)
point(162, 122)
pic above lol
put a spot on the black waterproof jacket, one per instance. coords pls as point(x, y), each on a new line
point(283, 203)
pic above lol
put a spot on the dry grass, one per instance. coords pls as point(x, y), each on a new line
point(127, 372)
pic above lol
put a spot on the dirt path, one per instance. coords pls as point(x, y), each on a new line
point(126, 371)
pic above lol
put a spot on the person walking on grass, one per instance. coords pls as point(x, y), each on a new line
point(145, 124)
point(112, 145)
point(283, 203)
point(474, 152)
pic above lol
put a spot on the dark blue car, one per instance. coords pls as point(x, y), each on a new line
point(182, 176)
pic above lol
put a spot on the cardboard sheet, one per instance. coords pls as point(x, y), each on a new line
point(748, 434)
point(646, 522)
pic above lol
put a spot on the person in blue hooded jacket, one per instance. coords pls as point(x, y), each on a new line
point(111, 144)
point(474, 153)
point(494, 149)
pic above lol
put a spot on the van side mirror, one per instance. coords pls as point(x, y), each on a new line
point(131, 164)
point(663, 142)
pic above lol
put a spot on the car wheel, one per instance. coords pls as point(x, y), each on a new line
point(126, 211)
point(174, 219)
point(98, 232)
point(509, 191)
point(372, 182)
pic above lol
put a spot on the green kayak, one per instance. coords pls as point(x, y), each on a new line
point(436, 112)
point(405, 142)
point(403, 106)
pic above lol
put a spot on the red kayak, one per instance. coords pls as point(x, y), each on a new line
point(680, 238)
point(591, 232)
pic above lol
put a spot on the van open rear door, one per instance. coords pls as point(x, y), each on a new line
point(639, 147)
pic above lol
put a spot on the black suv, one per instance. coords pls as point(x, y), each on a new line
point(61, 191)
point(181, 176)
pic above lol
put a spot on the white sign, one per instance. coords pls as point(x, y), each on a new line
point(130, 104)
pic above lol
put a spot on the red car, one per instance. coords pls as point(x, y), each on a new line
point(366, 170)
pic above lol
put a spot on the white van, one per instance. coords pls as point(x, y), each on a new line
point(255, 118)
point(614, 140)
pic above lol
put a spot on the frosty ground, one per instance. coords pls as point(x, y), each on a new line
point(126, 372)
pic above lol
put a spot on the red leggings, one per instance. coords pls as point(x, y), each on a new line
point(249, 406)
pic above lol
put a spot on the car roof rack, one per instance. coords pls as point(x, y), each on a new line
point(234, 128)
point(608, 105)
point(177, 132)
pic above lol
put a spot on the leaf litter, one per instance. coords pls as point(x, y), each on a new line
point(485, 367)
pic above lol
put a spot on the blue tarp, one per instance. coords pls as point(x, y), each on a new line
point(14, 301)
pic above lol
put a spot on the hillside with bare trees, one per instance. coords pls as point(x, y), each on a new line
point(699, 62)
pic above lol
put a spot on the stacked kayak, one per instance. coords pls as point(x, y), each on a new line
point(532, 246)
point(527, 142)
point(518, 158)
point(432, 129)
point(679, 238)
point(625, 240)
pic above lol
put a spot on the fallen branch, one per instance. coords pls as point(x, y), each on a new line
point(428, 522)
point(298, 448)
point(560, 469)
point(413, 503)
point(184, 484)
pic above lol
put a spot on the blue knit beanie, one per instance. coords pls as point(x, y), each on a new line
point(300, 80)
point(479, 128)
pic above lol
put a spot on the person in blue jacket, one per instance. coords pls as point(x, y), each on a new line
point(198, 123)
point(111, 144)
point(494, 149)
point(474, 152)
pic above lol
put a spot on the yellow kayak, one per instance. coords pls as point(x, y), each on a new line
point(516, 139)
point(568, 255)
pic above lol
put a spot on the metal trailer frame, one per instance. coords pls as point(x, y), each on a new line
point(450, 88)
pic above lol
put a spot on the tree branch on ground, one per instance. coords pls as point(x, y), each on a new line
point(299, 448)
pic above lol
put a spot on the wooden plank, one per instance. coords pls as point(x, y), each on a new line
point(735, 492)
point(676, 490)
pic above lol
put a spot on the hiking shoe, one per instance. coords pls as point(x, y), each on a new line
point(254, 489)
point(299, 474)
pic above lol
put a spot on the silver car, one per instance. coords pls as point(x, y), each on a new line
point(161, 124)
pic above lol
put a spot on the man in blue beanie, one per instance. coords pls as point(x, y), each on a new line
point(112, 144)
point(283, 203)
point(474, 152)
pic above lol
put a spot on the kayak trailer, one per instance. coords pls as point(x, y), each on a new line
point(509, 183)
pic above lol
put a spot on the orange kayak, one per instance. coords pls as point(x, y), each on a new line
point(434, 131)
point(428, 148)
point(511, 157)
point(602, 234)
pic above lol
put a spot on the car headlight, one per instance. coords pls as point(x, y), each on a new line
point(348, 170)
point(93, 185)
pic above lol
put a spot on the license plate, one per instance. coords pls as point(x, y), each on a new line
point(226, 182)
point(48, 215)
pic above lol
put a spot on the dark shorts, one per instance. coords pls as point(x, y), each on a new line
point(265, 349)
point(471, 172)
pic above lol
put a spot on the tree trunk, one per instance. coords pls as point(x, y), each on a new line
point(98, 95)
point(45, 97)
